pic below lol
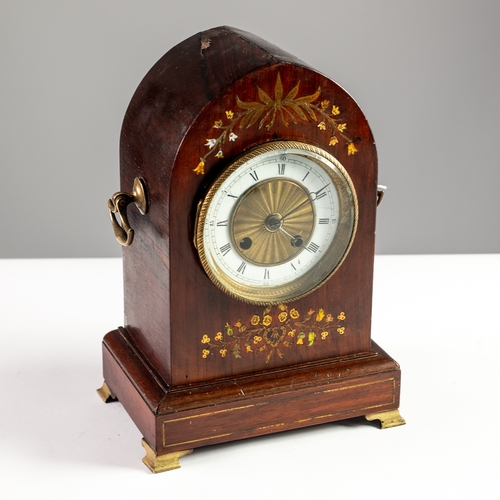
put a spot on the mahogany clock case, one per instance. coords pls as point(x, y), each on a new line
point(187, 349)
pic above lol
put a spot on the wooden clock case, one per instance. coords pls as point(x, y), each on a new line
point(193, 366)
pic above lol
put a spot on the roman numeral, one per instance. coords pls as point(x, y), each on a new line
point(224, 223)
point(321, 221)
point(305, 176)
point(313, 247)
point(266, 274)
point(242, 267)
point(281, 168)
point(232, 196)
point(224, 250)
point(254, 176)
point(293, 267)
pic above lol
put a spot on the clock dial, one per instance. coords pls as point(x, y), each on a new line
point(277, 222)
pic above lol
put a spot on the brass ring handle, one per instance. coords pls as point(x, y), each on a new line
point(118, 205)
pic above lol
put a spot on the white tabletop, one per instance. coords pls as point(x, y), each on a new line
point(436, 315)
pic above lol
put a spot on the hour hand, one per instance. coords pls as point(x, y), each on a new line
point(295, 241)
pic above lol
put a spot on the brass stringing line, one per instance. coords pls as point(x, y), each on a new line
point(281, 424)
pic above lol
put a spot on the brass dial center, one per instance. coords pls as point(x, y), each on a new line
point(272, 222)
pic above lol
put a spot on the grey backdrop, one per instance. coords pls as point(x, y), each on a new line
point(426, 73)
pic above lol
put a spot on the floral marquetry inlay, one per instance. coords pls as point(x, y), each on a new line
point(272, 331)
point(288, 108)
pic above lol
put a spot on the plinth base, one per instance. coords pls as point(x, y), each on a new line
point(173, 423)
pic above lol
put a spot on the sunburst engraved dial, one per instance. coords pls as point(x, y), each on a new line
point(277, 223)
point(272, 222)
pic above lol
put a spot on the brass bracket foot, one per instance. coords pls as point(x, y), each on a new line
point(106, 394)
point(387, 418)
point(162, 463)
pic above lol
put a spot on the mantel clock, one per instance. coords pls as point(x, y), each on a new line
point(247, 218)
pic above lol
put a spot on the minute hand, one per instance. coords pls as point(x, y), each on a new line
point(311, 197)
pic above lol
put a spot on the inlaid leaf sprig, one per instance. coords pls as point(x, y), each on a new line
point(289, 109)
point(271, 331)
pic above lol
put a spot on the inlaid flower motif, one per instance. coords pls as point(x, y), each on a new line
point(320, 315)
point(311, 338)
point(255, 320)
point(267, 320)
point(290, 108)
point(258, 335)
point(200, 169)
point(351, 149)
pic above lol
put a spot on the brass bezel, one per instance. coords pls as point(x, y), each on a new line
point(324, 268)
